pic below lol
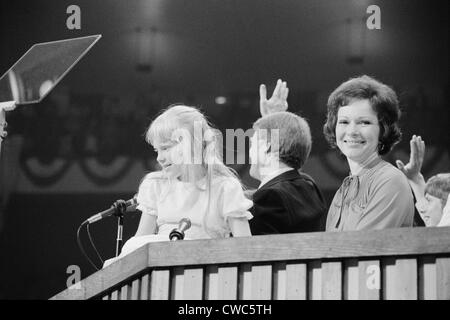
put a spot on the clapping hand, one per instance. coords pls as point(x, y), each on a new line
point(278, 101)
point(417, 153)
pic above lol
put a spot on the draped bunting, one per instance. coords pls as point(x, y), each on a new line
point(105, 174)
point(328, 170)
point(44, 174)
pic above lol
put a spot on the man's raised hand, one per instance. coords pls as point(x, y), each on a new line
point(276, 103)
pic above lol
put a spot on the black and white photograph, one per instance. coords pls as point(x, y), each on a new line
point(237, 151)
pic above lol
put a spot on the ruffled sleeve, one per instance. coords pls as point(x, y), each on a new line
point(235, 204)
point(148, 193)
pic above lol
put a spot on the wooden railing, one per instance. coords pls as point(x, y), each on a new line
point(406, 263)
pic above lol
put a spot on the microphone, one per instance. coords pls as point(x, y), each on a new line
point(119, 207)
point(178, 233)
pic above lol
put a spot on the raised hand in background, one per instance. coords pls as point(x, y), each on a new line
point(276, 103)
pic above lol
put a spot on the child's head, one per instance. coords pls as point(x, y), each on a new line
point(283, 136)
point(437, 190)
point(184, 141)
point(188, 149)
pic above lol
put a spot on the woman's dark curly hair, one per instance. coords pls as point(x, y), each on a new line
point(383, 101)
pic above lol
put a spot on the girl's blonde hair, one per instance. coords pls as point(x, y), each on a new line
point(205, 144)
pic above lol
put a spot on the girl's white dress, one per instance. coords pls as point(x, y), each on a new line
point(172, 200)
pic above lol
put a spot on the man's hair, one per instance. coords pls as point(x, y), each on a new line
point(439, 187)
point(383, 101)
point(294, 137)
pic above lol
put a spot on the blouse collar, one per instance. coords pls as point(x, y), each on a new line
point(368, 164)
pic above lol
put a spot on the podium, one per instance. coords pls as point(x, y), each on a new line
point(38, 71)
point(403, 263)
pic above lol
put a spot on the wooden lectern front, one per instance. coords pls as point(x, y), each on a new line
point(404, 263)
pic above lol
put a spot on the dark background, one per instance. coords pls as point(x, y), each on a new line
point(201, 49)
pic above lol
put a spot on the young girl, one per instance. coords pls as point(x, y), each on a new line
point(193, 183)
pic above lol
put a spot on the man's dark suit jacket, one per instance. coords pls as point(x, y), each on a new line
point(289, 203)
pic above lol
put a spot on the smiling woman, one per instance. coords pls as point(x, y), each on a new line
point(357, 131)
point(362, 121)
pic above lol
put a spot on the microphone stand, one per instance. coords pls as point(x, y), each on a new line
point(120, 207)
point(117, 209)
point(119, 241)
